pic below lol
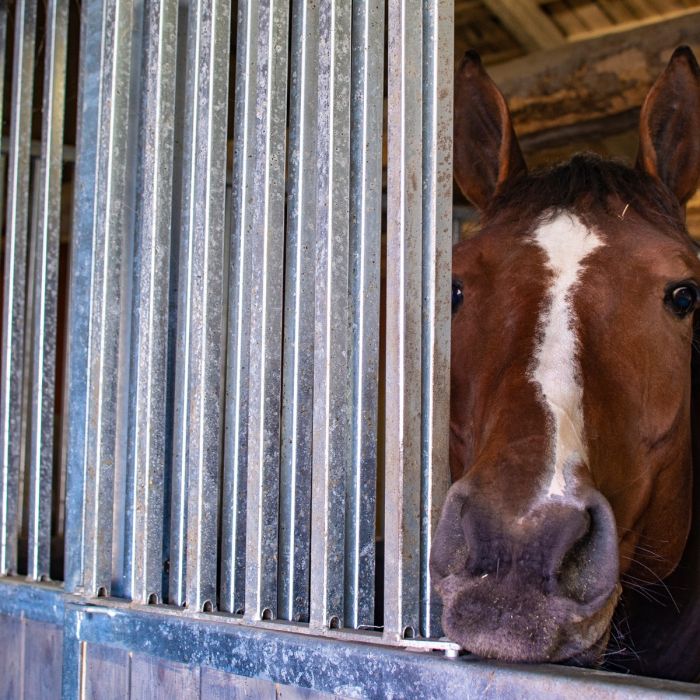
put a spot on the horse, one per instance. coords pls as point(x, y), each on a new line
point(564, 537)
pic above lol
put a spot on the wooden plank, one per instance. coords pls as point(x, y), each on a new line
point(527, 22)
point(591, 80)
point(11, 661)
point(292, 692)
point(106, 673)
point(217, 685)
point(157, 679)
point(43, 660)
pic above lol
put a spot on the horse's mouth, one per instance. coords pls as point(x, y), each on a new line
point(532, 629)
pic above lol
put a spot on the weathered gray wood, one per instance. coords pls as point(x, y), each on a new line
point(156, 679)
point(217, 685)
point(527, 22)
point(43, 660)
point(292, 692)
point(11, 661)
point(593, 79)
point(106, 673)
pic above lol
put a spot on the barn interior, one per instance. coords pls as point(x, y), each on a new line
point(575, 72)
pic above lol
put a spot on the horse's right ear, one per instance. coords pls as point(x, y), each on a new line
point(669, 126)
point(486, 151)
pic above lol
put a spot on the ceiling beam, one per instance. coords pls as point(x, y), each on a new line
point(527, 22)
point(591, 80)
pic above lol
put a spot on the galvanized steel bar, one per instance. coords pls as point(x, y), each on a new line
point(76, 404)
point(198, 428)
point(438, 33)
point(331, 385)
point(298, 362)
point(46, 246)
point(365, 261)
point(14, 292)
point(404, 285)
point(267, 263)
point(234, 497)
point(147, 425)
point(3, 52)
point(98, 319)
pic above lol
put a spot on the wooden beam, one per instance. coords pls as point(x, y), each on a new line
point(592, 80)
point(527, 22)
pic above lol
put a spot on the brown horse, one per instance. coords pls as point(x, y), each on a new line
point(571, 446)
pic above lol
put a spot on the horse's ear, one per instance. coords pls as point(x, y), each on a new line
point(669, 129)
point(486, 150)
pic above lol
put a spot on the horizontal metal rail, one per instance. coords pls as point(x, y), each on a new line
point(322, 664)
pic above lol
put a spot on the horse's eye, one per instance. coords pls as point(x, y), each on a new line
point(682, 299)
point(457, 295)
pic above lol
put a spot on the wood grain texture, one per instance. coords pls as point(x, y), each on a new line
point(593, 79)
point(43, 660)
point(157, 679)
point(11, 661)
point(217, 685)
point(106, 673)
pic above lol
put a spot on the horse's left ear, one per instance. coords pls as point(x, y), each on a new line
point(669, 129)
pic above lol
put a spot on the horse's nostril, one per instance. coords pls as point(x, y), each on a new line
point(583, 574)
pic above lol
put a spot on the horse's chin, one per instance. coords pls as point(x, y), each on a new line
point(536, 629)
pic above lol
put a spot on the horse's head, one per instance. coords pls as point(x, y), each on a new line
point(572, 331)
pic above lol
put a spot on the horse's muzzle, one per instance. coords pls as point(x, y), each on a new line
point(541, 587)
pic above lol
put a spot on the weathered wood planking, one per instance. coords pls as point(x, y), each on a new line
point(106, 673)
point(157, 679)
point(43, 660)
point(592, 80)
point(11, 657)
point(216, 685)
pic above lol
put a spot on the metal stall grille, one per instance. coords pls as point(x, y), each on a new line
point(246, 441)
point(225, 350)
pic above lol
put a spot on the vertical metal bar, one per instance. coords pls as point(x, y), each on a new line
point(331, 386)
point(76, 420)
point(147, 425)
point(3, 51)
point(403, 362)
point(298, 365)
point(234, 497)
point(365, 259)
point(94, 385)
point(438, 33)
point(198, 430)
point(267, 261)
point(46, 290)
point(14, 297)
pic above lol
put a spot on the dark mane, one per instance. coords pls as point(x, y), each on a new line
point(588, 183)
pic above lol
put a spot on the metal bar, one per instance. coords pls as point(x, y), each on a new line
point(331, 386)
point(365, 260)
point(403, 360)
point(46, 290)
point(95, 374)
point(28, 363)
point(234, 497)
point(438, 33)
point(3, 51)
point(267, 263)
point(198, 429)
point(76, 405)
point(147, 425)
point(14, 291)
point(298, 363)
point(321, 664)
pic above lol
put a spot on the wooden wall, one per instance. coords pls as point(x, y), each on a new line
point(31, 657)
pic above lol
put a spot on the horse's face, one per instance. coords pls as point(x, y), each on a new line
point(572, 326)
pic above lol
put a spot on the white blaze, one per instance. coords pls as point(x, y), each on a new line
point(567, 243)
